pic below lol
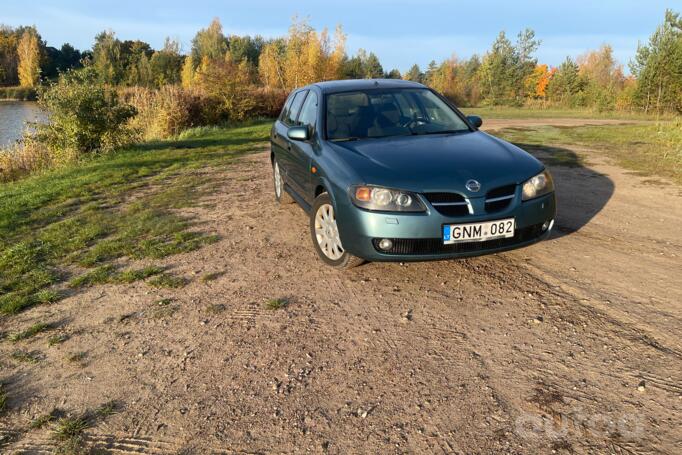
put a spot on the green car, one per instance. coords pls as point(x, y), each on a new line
point(390, 170)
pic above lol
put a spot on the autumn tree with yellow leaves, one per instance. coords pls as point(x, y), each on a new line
point(28, 51)
point(303, 57)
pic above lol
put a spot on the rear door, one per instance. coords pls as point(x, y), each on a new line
point(284, 153)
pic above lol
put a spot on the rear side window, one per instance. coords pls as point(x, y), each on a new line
point(291, 113)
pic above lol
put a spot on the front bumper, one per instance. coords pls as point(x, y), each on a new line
point(417, 236)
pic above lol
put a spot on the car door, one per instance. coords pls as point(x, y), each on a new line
point(279, 138)
point(302, 151)
point(284, 153)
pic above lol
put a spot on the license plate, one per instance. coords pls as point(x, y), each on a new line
point(478, 232)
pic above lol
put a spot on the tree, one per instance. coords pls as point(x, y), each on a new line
point(187, 74)
point(373, 68)
point(166, 64)
point(506, 66)
point(566, 85)
point(603, 75)
point(28, 52)
point(393, 74)
point(230, 84)
point(210, 43)
point(658, 67)
point(414, 74)
point(107, 58)
point(271, 64)
point(246, 47)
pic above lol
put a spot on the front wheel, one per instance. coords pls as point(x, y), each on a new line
point(325, 235)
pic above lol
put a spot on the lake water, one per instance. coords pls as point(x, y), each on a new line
point(13, 118)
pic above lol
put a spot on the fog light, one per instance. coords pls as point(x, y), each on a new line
point(385, 244)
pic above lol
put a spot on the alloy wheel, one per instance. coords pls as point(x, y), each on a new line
point(327, 232)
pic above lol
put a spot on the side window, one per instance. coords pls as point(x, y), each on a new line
point(285, 109)
point(308, 114)
point(292, 113)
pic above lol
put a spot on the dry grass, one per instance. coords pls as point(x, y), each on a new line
point(23, 159)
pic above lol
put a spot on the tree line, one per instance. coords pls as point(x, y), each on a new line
point(236, 71)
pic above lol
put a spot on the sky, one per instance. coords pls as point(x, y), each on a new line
point(400, 32)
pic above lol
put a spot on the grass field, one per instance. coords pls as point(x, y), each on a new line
point(79, 226)
point(503, 112)
point(650, 149)
point(72, 224)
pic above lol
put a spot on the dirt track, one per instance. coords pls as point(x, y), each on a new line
point(530, 351)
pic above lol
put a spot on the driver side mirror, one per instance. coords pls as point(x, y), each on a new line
point(298, 133)
point(475, 120)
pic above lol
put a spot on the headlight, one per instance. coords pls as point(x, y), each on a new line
point(538, 186)
point(384, 199)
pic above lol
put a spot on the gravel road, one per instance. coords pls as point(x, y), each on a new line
point(569, 346)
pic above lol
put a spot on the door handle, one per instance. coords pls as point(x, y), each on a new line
point(289, 147)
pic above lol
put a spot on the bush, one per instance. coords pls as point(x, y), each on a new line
point(168, 111)
point(268, 102)
point(165, 112)
point(85, 116)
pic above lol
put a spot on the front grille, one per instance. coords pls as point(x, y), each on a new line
point(436, 246)
point(499, 198)
point(448, 204)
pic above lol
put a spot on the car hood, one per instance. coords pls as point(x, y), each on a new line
point(438, 162)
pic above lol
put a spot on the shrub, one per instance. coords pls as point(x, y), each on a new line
point(268, 102)
point(165, 112)
point(85, 116)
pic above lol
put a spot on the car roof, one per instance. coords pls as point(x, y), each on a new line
point(363, 84)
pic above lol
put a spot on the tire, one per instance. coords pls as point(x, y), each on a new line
point(281, 195)
point(324, 234)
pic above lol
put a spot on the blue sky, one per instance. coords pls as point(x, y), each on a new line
point(400, 32)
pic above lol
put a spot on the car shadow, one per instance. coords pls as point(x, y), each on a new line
point(581, 191)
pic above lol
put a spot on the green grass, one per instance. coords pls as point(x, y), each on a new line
point(276, 304)
point(41, 421)
point(649, 149)
point(29, 332)
point(69, 427)
point(130, 276)
point(211, 276)
point(57, 339)
point(122, 205)
point(25, 357)
point(168, 281)
point(506, 112)
point(100, 275)
point(108, 274)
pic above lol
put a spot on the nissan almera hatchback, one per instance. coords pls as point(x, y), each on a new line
point(389, 170)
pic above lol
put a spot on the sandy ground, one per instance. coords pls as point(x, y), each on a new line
point(569, 346)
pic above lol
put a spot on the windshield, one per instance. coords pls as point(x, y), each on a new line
point(391, 112)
